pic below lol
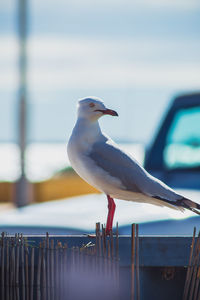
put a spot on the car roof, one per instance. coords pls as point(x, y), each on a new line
point(187, 100)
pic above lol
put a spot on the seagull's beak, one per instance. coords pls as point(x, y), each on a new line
point(108, 112)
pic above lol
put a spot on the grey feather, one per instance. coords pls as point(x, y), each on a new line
point(133, 177)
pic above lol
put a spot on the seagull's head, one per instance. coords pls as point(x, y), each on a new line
point(93, 108)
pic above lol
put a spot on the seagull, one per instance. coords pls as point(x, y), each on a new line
point(104, 165)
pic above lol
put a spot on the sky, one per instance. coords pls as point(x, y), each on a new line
point(135, 55)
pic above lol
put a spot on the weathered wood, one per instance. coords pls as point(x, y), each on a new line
point(26, 271)
point(133, 262)
point(22, 268)
point(48, 266)
point(137, 262)
point(2, 265)
point(52, 269)
point(8, 270)
point(32, 273)
point(189, 268)
point(17, 267)
point(38, 280)
point(44, 281)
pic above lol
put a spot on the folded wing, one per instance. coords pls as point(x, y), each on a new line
point(133, 177)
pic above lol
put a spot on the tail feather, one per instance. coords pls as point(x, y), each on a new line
point(189, 204)
point(184, 203)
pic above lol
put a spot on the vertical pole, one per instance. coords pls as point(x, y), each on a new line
point(137, 262)
point(133, 262)
point(21, 197)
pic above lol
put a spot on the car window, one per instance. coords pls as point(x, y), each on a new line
point(182, 148)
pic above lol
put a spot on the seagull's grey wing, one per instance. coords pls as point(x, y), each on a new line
point(133, 177)
point(115, 162)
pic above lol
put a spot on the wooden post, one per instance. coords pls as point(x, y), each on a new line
point(137, 262)
point(2, 265)
point(133, 262)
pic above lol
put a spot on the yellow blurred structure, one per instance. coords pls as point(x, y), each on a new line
point(62, 187)
point(55, 188)
point(6, 192)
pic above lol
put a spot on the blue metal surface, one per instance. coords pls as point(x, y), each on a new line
point(155, 251)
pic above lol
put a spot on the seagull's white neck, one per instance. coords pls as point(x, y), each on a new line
point(88, 124)
point(87, 131)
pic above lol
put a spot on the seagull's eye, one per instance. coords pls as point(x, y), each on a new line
point(91, 104)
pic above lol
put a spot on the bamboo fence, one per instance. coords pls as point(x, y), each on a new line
point(53, 271)
point(192, 281)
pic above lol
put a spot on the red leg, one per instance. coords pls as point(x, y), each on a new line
point(111, 212)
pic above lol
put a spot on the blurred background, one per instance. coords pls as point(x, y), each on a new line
point(135, 55)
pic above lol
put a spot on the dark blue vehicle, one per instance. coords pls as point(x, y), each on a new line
point(174, 155)
point(174, 158)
